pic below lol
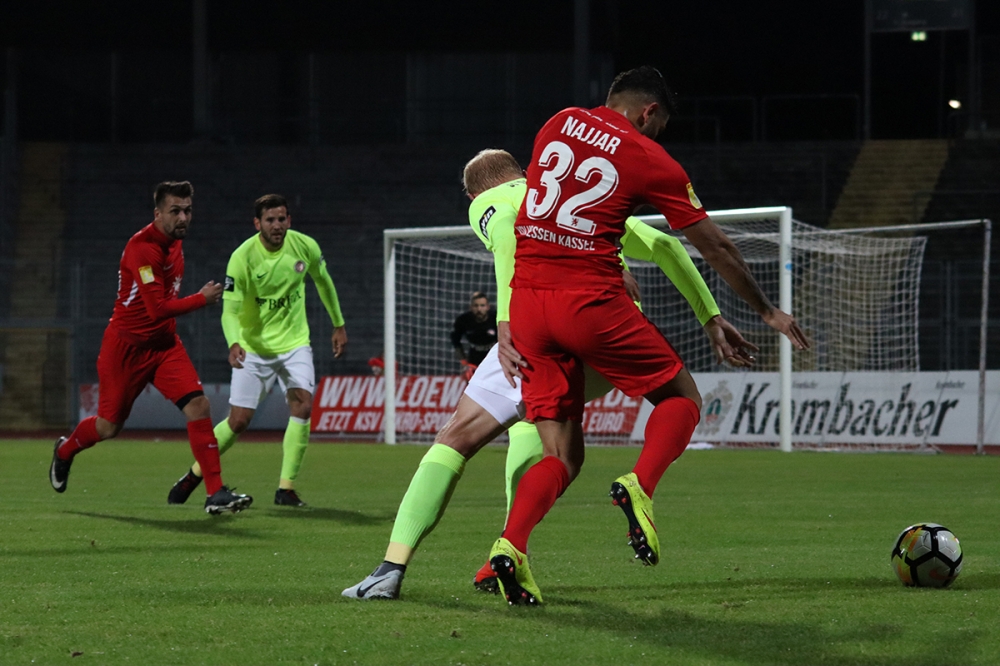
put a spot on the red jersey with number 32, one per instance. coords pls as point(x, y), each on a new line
point(149, 281)
point(589, 171)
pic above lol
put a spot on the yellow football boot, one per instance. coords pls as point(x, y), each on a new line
point(513, 574)
point(629, 495)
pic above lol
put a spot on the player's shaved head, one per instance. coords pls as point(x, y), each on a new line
point(180, 189)
point(488, 169)
point(644, 85)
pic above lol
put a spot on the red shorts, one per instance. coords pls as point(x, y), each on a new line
point(123, 370)
point(557, 331)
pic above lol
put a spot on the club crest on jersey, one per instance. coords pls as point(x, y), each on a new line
point(146, 274)
point(300, 266)
point(485, 220)
point(695, 201)
point(229, 285)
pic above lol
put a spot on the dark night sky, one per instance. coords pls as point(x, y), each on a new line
point(762, 47)
point(705, 48)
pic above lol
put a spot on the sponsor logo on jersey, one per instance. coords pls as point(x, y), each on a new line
point(230, 284)
point(146, 274)
point(300, 266)
point(485, 220)
point(281, 302)
point(695, 201)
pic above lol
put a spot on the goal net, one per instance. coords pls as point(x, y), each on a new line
point(855, 295)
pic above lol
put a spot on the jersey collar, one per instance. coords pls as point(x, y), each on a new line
point(161, 238)
point(263, 248)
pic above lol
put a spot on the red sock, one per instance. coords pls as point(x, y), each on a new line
point(668, 432)
point(83, 437)
point(537, 491)
point(206, 451)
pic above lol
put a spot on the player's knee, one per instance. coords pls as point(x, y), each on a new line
point(107, 429)
point(238, 423)
point(301, 410)
point(469, 428)
point(681, 386)
point(457, 438)
point(573, 462)
point(197, 408)
point(299, 403)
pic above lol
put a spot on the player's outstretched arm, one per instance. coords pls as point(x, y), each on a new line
point(642, 241)
point(646, 243)
point(723, 255)
point(159, 307)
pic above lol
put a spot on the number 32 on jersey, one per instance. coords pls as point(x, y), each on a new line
point(558, 160)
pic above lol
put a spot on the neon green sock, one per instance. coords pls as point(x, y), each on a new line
point(428, 495)
point(225, 435)
point(293, 447)
point(524, 451)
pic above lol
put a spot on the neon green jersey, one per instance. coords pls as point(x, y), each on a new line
point(264, 305)
point(492, 215)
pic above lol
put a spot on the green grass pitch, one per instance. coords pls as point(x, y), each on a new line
point(768, 558)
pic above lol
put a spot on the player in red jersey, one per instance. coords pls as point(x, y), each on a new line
point(589, 171)
point(141, 347)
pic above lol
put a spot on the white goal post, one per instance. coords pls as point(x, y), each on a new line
point(856, 295)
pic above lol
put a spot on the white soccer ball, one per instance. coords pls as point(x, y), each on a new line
point(927, 555)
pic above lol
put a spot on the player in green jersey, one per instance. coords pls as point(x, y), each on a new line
point(264, 321)
point(494, 181)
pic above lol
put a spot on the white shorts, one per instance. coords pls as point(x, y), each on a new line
point(252, 382)
point(490, 389)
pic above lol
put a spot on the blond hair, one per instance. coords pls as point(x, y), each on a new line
point(489, 168)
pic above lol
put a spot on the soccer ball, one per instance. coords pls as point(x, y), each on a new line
point(927, 555)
